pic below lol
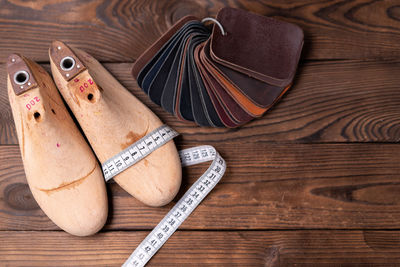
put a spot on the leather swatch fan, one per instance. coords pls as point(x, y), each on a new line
point(224, 77)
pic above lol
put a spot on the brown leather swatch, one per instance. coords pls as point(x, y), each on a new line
point(260, 93)
point(259, 46)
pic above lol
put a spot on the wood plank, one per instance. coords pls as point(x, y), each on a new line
point(119, 31)
point(341, 101)
point(243, 248)
point(266, 186)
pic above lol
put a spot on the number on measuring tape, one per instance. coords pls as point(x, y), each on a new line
point(186, 205)
point(137, 151)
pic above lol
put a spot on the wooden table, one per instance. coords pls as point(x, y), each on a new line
point(314, 182)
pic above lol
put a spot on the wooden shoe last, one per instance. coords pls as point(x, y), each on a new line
point(112, 119)
point(61, 169)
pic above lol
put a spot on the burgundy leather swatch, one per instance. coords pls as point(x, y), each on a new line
point(222, 113)
point(261, 47)
point(235, 110)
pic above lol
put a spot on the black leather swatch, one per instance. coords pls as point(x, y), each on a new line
point(169, 93)
point(184, 99)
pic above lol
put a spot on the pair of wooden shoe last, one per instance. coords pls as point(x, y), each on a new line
point(62, 171)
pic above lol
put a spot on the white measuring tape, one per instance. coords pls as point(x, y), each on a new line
point(137, 151)
point(186, 205)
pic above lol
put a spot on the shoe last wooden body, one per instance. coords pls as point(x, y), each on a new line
point(112, 119)
point(61, 169)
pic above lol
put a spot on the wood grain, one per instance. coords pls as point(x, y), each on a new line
point(276, 186)
point(314, 182)
point(119, 31)
point(256, 248)
point(345, 101)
